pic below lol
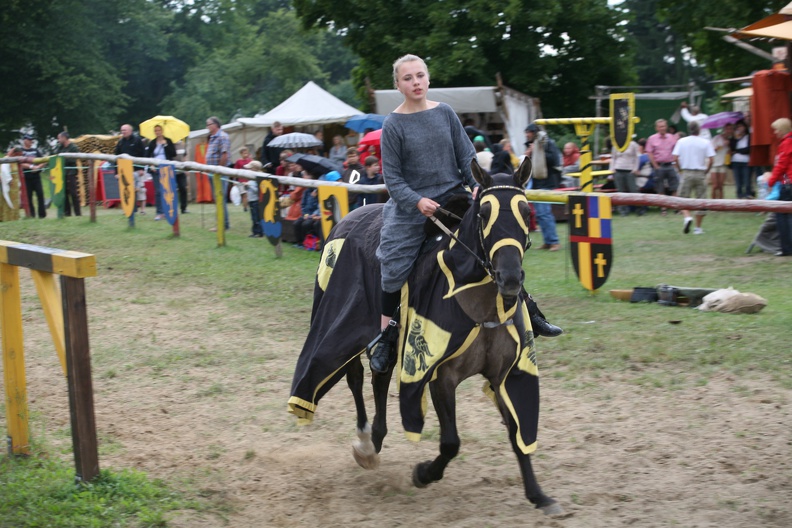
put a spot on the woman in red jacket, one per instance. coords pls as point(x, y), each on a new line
point(782, 172)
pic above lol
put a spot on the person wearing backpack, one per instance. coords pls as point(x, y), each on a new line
point(546, 160)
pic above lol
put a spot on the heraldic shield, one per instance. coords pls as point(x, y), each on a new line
point(270, 220)
point(126, 185)
point(170, 202)
point(334, 205)
point(622, 110)
point(590, 238)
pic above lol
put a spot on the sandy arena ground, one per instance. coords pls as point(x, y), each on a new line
point(200, 400)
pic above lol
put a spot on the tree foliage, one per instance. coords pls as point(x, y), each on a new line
point(251, 73)
point(54, 67)
point(557, 50)
point(661, 60)
point(719, 58)
point(91, 65)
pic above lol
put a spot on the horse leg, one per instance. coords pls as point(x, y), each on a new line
point(380, 383)
point(533, 492)
point(363, 449)
point(444, 399)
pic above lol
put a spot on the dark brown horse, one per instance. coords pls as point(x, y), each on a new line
point(468, 291)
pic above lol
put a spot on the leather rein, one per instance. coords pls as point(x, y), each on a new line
point(486, 262)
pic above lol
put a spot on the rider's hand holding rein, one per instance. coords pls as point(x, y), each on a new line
point(427, 206)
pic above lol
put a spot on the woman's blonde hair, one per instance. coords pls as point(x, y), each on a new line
point(401, 60)
point(782, 125)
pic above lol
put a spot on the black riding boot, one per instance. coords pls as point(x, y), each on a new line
point(541, 326)
point(384, 353)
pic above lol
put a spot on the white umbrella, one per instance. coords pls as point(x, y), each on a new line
point(295, 140)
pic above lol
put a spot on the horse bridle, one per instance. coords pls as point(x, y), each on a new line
point(485, 262)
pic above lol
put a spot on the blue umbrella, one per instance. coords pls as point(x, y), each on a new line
point(361, 123)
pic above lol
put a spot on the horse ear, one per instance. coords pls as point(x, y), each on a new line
point(479, 174)
point(524, 172)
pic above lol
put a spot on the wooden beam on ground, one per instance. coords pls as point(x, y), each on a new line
point(191, 166)
point(672, 202)
point(695, 204)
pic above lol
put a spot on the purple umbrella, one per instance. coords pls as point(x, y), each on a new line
point(721, 119)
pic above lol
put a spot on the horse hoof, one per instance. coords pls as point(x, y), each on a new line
point(365, 458)
point(554, 510)
point(416, 479)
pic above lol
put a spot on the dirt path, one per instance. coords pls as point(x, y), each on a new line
point(200, 400)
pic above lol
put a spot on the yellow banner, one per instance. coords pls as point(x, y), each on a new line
point(334, 205)
point(126, 185)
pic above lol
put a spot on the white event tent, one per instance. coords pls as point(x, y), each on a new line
point(310, 105)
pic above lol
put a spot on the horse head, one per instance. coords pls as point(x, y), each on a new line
point(503, 217)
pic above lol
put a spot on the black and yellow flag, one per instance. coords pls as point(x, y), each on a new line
point(270, 210)
point(590, 238)
point(126, 185)
point(334, 205)
point(622, 111)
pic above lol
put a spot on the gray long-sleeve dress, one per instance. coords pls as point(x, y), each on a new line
point(426, 154)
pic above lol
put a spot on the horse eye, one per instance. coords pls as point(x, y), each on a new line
point(485, 211)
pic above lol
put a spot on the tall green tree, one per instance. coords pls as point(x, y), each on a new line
point(659, 58)
point(251, 73)
point(719, 58)
point(149, 51)
point(88, 65)
point(557, 50)
point(54, 70)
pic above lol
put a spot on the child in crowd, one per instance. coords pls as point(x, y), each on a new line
point(140, 190)
point(352, 164)
point(252, 193)
point(244, 159)
point(310, 223)
point(371, 176)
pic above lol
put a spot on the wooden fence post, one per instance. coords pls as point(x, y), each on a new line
point(93, 166)
point(13, 361)
point(78, 359)
point(70, 335)
point(219, 196)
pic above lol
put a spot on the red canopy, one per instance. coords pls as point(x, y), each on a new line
point(770, 101)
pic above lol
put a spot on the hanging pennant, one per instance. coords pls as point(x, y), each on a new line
point(270, 210)
point(622, 111)
point(334, 205)
point(126, 183)
point(591, 239)
point(170, 203)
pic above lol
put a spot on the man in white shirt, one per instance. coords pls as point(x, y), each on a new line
point(693, 155)
point(694, 115)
